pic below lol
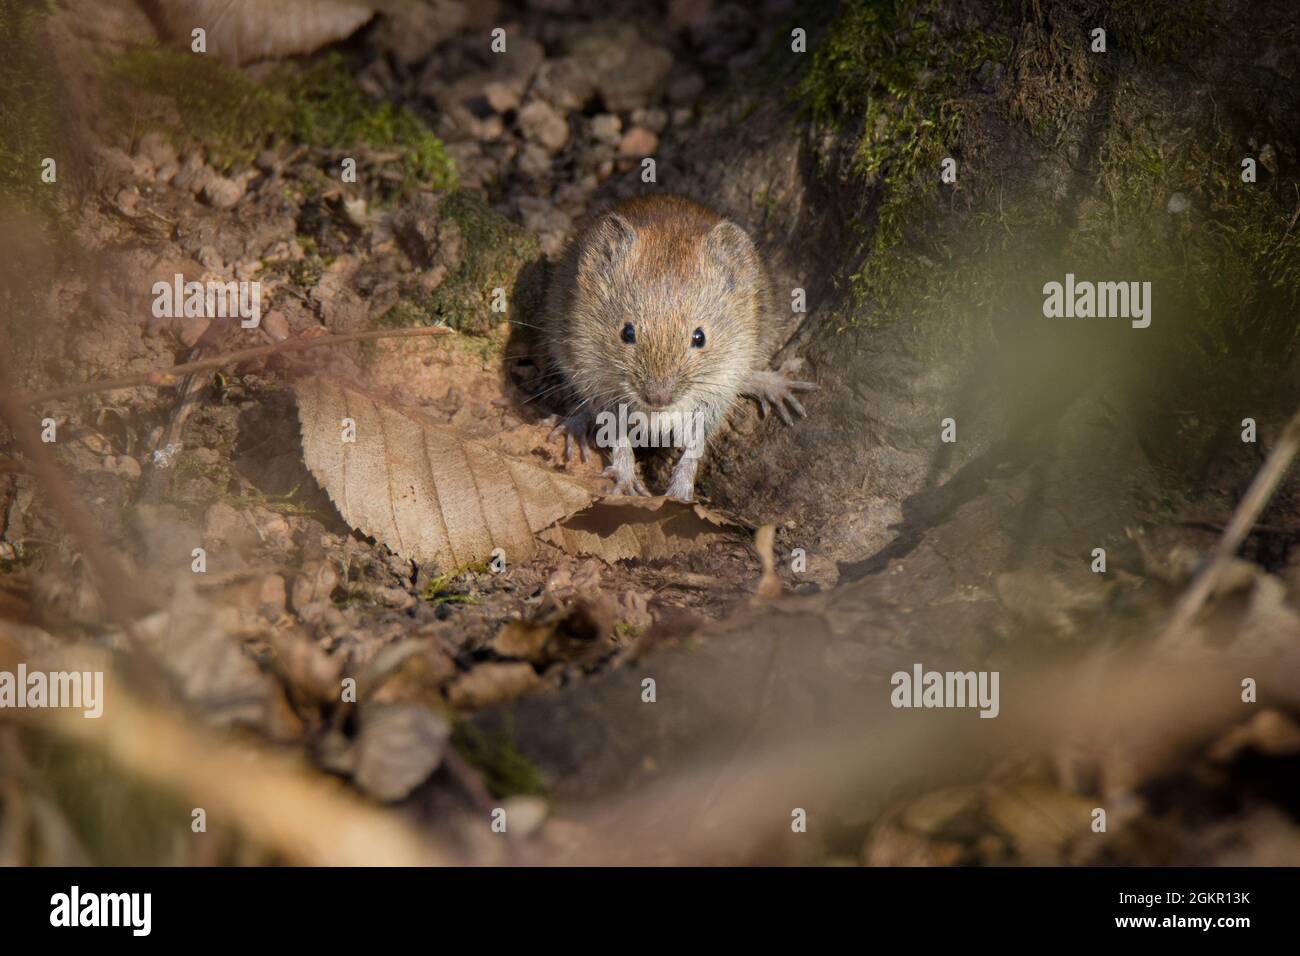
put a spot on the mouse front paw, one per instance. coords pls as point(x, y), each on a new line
point(773, 390)
point(625, 481)
point(576, 430)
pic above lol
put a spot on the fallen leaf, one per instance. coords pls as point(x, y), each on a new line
point(616, 529)
point(491, 683)
point(208, 662)
point(421, 488)
point(583, 631)
point(1039, 820)
point(398, 746)
point(1270, 732)
point(240, 31)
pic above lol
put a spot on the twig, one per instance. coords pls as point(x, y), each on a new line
point(167, 376)
point(272, 798)
point(1248, 511)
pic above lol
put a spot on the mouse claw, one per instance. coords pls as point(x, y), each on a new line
point(774, 392)
point(625, 483)
point(575, 430)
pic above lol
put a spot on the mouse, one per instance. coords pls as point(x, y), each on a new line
point(659, 317)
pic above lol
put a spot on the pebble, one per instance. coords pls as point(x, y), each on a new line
point(638, 142)
point(542, 124)
point(606, 128)
point(653, 120)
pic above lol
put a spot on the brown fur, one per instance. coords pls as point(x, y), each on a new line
point(669, 266)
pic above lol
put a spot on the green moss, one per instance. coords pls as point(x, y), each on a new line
point(886, 67)
point(28, 109)
point(117, 819)
point(505, 770)
point(1158, 30)
point(440, 589)
point(234, 117)
point(1227, 270)
point(495, 254)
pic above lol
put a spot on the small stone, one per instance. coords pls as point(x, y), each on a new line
point(524, 815)
point(210, 259)
point(222, 193)
point(276, 325)
point(127, 199)
point(652, 119)
point(193, 174)
point(355, 211)
point(606, 128)
point(155, 148)
point(1268, 158)
point(638, 142)
point(123, 465)
point(1178, 204)
point(564, 83)
point(501, 96)
point(534, 162)
point(542, 124)
point(627, 71)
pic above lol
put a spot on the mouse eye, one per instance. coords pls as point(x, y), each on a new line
point(629, 334)
point(697, 339)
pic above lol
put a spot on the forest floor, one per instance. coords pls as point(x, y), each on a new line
point(408, 701)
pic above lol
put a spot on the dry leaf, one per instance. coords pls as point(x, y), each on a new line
point(582, 631)
point(241, 31)
point(421, 488)
point(616, 529)
point(1040, 821)
point(490, 683)
point(1270, 732)
point(200, 650)
point(398, 746)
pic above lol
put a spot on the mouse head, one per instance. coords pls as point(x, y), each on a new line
point(674, 307)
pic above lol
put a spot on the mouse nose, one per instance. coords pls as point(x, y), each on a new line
point(657, 393)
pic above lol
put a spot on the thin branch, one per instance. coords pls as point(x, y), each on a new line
point(167, 376)
point(1243, 519)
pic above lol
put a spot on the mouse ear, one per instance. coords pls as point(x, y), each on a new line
point(729, 248)
point(607, 244)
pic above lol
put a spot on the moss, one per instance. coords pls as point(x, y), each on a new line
point(494, 254)
point(1227, 270)
point(890, 69)
point(234, 117)
point(1158, 30)
point(117, 819)
point(439, 590)
point(505, 770)
point(28, 109)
